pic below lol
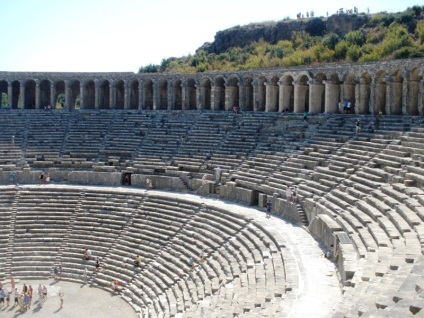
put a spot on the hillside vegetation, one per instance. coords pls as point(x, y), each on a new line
point(382, 36)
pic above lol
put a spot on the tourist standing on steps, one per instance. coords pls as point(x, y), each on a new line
point(30, 292)
point(218, 173)
point(268, 209)
point(98, 264)
point(41, 178)
point(137, 261)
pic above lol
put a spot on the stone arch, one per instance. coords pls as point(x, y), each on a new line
point(301, 94)
point(16, 94)
point(104, 94)
point(287, 98)
point(89, 94)
point(4, 98)
point(219, 96)
point(414, 91)
point(134, 94)
point(317, 94)
point(362, 95)
point(119, 95)
point(272, 95)
point(380, 92)
point(29, 99)
point(261, 96)
point(396, 93)
point(59, 97)
point(45, 93)
point(177, 103)
point(191, 94)
point(205, 93)
point(163, 94)
point(232, 93)
point(247, 104)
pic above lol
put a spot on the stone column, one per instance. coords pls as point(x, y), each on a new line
point(389, 96)
point(9, 94)
point(126, 95)
point(198, 96)
point(213, 97)
point(156, 95)
point(421, 98)
point(372, 97)
point(82, 93)
point(67, 94)
point(141, 102)
point(52, 95)
point(227, 96)
point(342, 96)
point(37, 94)
point(280, 96)
point(406, 97)
point(112, 95)
point(171, 95)
point(356, 109)
point(313, 107)
point(184, 96)
point(332, 94)
point(255, 96)
point(96, 94)
point(242, 95)
point(267, 96)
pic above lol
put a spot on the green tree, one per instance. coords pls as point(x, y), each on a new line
point(4, 99)
point(151, 68)
point(420, 31)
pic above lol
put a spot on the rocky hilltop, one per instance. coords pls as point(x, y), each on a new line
point(273, 32)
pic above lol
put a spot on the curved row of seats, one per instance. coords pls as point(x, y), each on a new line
point(52, 226)
point(367, 184)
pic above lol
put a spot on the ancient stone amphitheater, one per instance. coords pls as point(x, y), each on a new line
point(360, 194)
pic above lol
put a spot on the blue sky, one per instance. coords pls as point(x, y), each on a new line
point(122, 35)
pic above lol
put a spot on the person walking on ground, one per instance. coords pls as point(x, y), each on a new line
point(8, 293)
point(40, 292)
point(44, 293)
point(16, 295)
point(61, 295)
point(85, 276)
